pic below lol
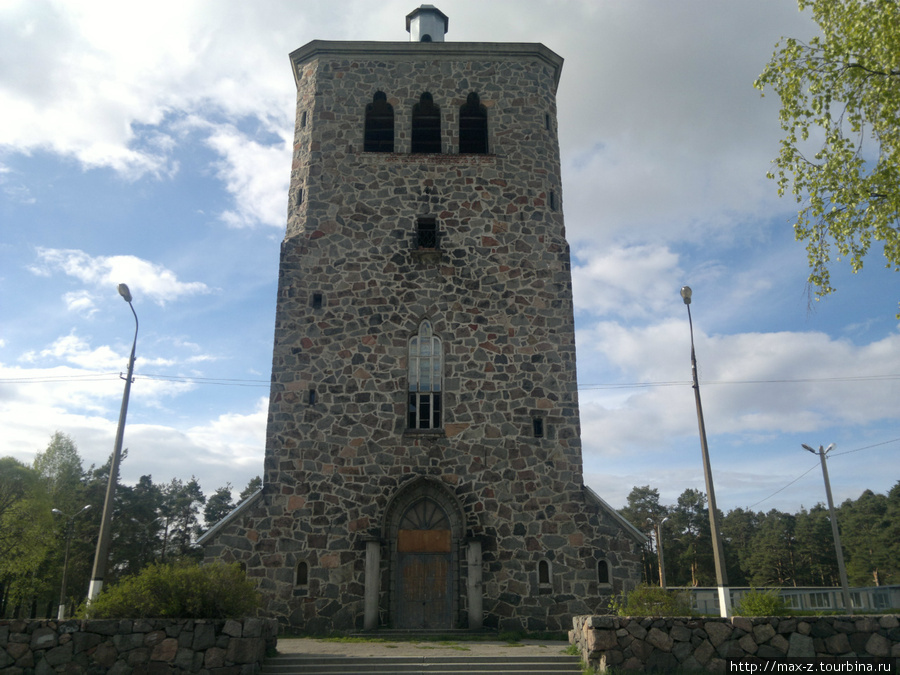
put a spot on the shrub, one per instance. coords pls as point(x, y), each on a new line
point(645, 600)
point(765, 602)
point(181, 591)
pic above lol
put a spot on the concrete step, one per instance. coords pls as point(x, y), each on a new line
point(292, 664)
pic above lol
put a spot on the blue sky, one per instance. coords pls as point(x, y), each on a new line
point(153, 148)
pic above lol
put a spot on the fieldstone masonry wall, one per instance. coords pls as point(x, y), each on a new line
point(665, 644)
point(497, 293)
point(136, 647)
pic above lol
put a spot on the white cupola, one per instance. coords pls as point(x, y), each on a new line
point(427, 24)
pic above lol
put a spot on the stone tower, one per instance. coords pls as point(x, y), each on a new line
point(423, 456)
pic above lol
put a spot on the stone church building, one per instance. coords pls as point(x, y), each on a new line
point(423, 460)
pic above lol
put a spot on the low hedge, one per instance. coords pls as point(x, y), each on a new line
point(180, 591)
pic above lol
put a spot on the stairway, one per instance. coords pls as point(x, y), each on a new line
point(294, 664)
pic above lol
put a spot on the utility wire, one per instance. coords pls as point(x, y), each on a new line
point(90, 377)
point(639, 385)
point(837, 454)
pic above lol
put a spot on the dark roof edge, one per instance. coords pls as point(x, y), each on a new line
point(238, 510)
point(635, 533)
point(418, 50)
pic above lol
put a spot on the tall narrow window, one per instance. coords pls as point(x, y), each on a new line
point(426, 126)
point(473, 126)
point(425, 375)
point(602, 572)
point(537, 426)
point(543, 572)
point(426, 233)
point(303, 119)
point(379, 132)
point(302, 573)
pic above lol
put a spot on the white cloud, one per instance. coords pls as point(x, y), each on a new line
point(255, 176)
point(752, 383)
point(153, 281)
point(633, 281)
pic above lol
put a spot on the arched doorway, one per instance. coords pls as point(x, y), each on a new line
point(423, 525)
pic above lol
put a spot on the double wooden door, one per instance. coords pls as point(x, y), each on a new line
point(424, 580)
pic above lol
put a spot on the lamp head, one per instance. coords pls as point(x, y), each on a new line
point(806, 447)
point(686, 293)
point(124, 292)
point(57, 511)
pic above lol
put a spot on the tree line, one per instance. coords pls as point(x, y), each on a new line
point(769, 549)
point(152, 522)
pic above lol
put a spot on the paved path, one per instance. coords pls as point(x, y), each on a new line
point(385, 647)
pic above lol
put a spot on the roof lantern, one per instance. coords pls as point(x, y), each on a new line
point(427, 24)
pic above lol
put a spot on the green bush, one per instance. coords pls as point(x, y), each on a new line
point(765, 602)
point(181, 591)
point(645, 600)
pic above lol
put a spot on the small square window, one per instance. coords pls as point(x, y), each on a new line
point(426, 233)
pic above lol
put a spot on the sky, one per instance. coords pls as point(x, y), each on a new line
point(153, 148)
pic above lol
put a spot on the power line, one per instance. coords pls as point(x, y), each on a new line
point(99, 377)
point(846, 452)
point(225, 381)
point(640, 385)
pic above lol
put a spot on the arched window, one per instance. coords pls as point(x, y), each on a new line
point(426, 126)
point(425, 374)
point(602, 572)
point(473, 126)
point(302, 573)
point(543, 572)
point(379, 132)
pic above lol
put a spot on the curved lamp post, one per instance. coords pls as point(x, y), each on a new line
point(102, 554)
point(845, 587)
point(718, 551)
point(61, 615)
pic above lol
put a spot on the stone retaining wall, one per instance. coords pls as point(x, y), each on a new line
point(663, 644)
point(136, 646)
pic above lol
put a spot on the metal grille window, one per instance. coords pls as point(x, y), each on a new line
point(426, 233)
point(426, 126)
point(379, 132)
point(425, 375)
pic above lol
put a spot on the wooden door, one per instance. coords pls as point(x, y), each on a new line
point(424, 584)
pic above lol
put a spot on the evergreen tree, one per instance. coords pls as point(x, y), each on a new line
point(254, 485)
point(863, 528)
point(218, 505)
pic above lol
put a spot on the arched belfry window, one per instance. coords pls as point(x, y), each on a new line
point(426, 126)
point(425, 375)
point(379, 132)
point(473, 126)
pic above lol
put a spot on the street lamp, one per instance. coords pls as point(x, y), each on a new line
point(718, 551)
point(69, 527)
point(657, 524)
point(845, 587)
point(102, 554)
